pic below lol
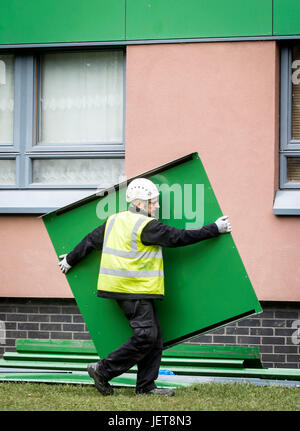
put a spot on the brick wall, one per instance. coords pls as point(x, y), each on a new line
point(44, 318)
point(274, 330)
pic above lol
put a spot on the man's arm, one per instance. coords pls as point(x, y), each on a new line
point(157, 233)
point(92, 241)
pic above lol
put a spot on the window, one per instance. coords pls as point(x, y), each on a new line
point(290, 118)
point(6, 99)
point(287, 198)
point(7, 148)
point(61, 122)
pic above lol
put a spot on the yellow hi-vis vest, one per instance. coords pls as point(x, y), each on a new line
point(127, 265)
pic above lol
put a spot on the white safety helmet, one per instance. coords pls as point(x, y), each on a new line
point(141, 188)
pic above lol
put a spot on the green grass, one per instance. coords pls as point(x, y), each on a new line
point(200, 397)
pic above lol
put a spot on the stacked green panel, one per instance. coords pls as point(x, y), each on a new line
point(179, 364)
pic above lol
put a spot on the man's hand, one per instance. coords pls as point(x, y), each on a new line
point(223, 224)
point(64, 266)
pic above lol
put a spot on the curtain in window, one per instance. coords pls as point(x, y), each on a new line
point(81, 98)
point(6, 99)
point(102, 173)
point(296, 93)
point(293, 169)
point(7, 172)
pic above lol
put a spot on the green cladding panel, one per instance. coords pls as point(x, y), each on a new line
point(206, 283)
point(157, 19)
point(286, 17)
point(46, 21)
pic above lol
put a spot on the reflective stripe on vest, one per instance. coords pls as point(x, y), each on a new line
point(137, 270)
point(133, 253)
point(125, 273)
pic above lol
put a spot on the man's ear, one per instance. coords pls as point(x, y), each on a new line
point(142, 204)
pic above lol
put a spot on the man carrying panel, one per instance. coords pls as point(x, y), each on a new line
point(132, 273)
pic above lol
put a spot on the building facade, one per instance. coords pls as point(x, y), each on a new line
point(94, 91)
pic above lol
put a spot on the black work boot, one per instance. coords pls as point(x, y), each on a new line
point(158, 391)
point(101, 382)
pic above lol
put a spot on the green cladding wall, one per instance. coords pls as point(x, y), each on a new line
point(286, 17)
point(157, 19)
point(64, 21)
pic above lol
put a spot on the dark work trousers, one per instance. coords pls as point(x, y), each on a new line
point(143, 349)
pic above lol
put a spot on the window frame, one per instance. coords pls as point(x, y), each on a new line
point(14, 147)
point(25, 147)
point(288, 147)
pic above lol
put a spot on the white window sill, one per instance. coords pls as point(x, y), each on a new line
point(39, 201)
point(287, 202)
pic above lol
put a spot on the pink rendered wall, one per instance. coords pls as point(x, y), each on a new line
point(221, 100)
point(28, 263)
